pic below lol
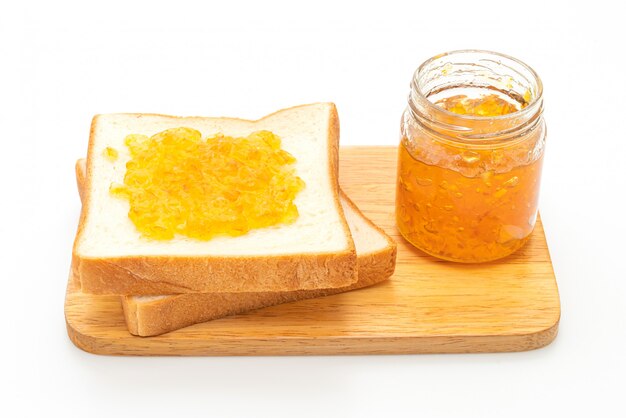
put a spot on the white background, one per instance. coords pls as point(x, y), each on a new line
point(60, 63)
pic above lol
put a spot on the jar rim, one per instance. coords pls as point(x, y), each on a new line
point(533, 106)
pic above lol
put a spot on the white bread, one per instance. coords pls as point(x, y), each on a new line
point(111, 257)
point(154, 315)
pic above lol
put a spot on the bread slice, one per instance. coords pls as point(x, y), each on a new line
point(316, 251)
point(154, 315)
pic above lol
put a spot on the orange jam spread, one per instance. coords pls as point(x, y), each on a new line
point(180, 184)
point(468, 204)
point(110, 154)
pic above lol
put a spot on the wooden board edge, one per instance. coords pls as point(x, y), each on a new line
point(297, 346)
point(303, 347)
point(84, 342)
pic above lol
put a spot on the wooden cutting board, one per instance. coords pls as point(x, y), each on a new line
point(428, 306)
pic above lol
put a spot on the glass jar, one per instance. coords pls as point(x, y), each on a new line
point(470, 157)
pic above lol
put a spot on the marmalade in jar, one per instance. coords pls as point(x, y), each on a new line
point(469, 170)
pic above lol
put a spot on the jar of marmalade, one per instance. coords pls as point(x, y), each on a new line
point(469, 165)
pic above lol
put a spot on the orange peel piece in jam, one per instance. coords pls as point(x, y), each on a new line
point(180, 184)
point(487, 105)
point(110, 154)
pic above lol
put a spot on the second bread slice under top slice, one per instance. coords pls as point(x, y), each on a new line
point(111, 257)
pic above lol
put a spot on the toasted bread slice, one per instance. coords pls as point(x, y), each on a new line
point(154, 315)
point(111, 257)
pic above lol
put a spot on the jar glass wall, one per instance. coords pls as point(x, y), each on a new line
point(470, 158)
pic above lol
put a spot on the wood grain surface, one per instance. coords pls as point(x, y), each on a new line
point(428, 306)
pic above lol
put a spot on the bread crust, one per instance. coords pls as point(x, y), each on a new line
point(157, 275)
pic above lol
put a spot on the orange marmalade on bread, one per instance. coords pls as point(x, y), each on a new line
point(178, 183)
point(470, 159)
